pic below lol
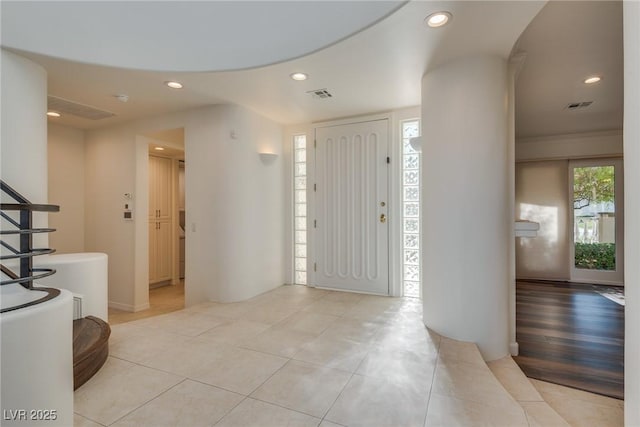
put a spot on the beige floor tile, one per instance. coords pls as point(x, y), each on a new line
point(540, 414)
point(371, 402)
point(340, 354)
point(326, 423)
point(80, 421)
point(344, 297)
point(334, 308)
point(472, 383)
point(253, 412)
point(233, 310)
point(234, 332)
point(239, 370)
point(118, 388)
point(580, 408)
point(574, 394)
point(308, 322)
point(514, 380)
point(186, 404)
point(304, 387)
point(400, 366)
point(459, 351)
point(141, 343)
point(362, 331)
point(375, 308)
point(182, 323)
point(270, 313)
point(406, 336)
point(187, 359)
point(446, 411)
point(280, 342)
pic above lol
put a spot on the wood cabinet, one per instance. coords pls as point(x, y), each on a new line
point(160, 219)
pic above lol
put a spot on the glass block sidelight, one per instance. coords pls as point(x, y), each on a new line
point(300, 209)
point(411, 210)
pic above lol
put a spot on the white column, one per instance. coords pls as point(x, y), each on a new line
point(632, 212)
point(24, 132)
point(465, 197)
point(36, 345)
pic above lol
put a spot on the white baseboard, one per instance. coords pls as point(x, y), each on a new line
point(128, 307)
point(514, 348)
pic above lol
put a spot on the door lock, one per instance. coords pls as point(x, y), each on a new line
point(383, 218)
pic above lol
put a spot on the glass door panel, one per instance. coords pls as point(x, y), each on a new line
point(597, 221)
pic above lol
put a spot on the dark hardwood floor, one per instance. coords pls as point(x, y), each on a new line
point(570, 335)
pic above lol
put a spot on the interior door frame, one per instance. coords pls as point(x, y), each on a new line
point(393, 206)
point(600, 276)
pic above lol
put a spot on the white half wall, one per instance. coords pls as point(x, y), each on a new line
point(234, 204)
point(66, 187)
point(632, 212)
point(465, 191)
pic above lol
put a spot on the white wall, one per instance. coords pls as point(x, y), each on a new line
point(234, 203)
point(66, 187)
point(572, 146)
point(465, 191)
point(632, 212)
point(23, 147)
point(542, 195)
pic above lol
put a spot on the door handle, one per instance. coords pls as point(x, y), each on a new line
point(383, 218)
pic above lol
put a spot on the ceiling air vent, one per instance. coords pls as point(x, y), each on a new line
point(320, 93)
point(578, 105)
point(65, 106)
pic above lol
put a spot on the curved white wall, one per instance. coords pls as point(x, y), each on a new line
point(465, 193)
point(24, 132)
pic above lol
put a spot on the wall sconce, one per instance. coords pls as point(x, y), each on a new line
point(416, 143)
point(268, 158)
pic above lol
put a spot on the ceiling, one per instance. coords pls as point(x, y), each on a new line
point(377, 68)
point(566, 43)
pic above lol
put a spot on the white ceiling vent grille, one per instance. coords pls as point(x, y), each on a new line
point(578, 105)
point(320, 93)
point(64, 106)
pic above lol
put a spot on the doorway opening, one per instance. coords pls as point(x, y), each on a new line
point(166, 175)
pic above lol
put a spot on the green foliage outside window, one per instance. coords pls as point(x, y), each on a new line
point(593, 185)
point(595, 256)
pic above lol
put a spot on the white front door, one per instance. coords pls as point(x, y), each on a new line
point(351, 209)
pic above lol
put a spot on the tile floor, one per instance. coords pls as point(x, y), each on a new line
point(295, 356)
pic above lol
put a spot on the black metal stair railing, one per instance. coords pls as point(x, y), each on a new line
point(23, 228)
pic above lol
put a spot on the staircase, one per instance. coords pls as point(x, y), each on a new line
point(90, 334)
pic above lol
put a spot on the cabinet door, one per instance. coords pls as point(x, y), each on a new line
point(163, 251)
point(153, 237)
point(163, 188)
point(153, 180)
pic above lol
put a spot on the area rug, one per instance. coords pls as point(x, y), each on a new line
point(615, 294)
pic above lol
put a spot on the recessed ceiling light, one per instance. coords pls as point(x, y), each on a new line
point(159, 148)
point(299, 76)
point(438, 19)
point(53, 114)
point(592, 80)
point(174, 85)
